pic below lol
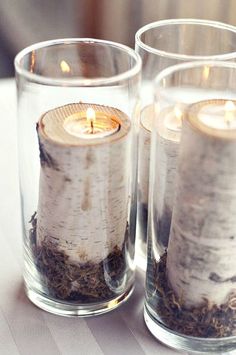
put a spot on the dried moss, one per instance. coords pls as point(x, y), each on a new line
point(88, 282)
point(207, 320)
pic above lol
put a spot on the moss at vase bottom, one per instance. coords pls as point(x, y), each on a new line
point(206, 321)
point(85, 283)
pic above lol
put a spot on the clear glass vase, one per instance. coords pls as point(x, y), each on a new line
point(191, 284)
point(160, 45)
point(78, 104)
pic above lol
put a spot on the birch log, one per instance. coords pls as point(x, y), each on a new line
point(84, 186)
point(201, 260)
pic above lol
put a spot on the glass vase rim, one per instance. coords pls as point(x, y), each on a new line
point(191, 65)
point(80, 82)
point(186, 21)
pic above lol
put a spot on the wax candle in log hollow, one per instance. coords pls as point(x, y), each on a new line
point(218, 114)
point(201, 261)
point(91, 124)
point(84, 198)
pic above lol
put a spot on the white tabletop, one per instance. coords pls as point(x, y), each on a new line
point(27, 330)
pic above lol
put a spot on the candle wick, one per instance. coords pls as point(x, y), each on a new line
point(92, 127)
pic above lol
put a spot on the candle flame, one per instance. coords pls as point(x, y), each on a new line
point(179, 116)
point(65, 68)
point(206, 72)
point(32, 64)
point(230, 110)
point(91, 117)
point(90, 114)
point(230, 106)
point(178, 112)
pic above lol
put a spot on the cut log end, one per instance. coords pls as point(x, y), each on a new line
point(52, 125)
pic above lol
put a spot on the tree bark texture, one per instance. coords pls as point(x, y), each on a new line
point(201, 261)
point(84, 192)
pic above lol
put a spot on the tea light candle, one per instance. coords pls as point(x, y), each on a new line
point(201, 261)
point(91, 125)
point(84, 180)
point(224, 113)
point(169, 123)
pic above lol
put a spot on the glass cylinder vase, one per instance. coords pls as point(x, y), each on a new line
point(191, 281)
point(160, 45)
point(78, 105)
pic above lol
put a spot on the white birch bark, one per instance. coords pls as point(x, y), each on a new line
point(201, 260)
point(84, 186)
